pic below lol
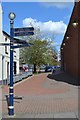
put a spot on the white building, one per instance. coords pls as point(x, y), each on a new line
point(5, 51)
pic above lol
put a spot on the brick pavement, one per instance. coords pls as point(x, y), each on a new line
point(43, 97)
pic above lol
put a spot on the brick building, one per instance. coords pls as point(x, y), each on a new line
point(70, 48)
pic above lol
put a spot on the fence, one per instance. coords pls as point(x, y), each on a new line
point(17, 78)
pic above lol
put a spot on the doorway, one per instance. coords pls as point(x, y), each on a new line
point(14, 67)
point(7, 71)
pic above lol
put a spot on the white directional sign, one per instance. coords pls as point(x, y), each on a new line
point(23, 31)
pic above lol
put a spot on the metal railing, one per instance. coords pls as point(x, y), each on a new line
point(18, 77)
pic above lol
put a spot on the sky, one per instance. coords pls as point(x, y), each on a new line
point(51, 18)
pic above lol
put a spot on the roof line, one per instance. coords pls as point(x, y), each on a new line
point(16, 40)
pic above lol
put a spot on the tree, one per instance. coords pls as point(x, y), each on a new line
point(40, 53)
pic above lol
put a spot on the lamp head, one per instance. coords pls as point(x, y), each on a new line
point(75, 24)
point(61, 48)
point(67, 37)
point(64, 44)
point(12, 15)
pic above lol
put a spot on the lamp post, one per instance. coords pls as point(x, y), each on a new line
point(11, 90)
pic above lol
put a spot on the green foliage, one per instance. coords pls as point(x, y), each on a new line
point(40, 53)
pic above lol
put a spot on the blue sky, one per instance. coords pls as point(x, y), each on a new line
point(52, 18)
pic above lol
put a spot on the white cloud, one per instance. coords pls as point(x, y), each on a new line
point(61, 4)
point(48, 29)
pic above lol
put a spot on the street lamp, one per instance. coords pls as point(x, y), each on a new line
point(67, 37)
point(61, 48)
point(64, 44)
point(75, 24)
point(12, 16)
point(11, 90)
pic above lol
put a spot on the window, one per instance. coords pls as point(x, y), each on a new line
point(14, 67)
point(6, 50)
point(14, 51)
point(5, 38)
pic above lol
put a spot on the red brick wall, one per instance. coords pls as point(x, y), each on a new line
point(79, 42)
point(72, 45)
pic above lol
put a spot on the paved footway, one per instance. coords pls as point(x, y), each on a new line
point(43, 97)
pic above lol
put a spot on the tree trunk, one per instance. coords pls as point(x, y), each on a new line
point(34, 68)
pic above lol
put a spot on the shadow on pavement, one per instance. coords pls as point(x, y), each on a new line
point(16, 97)
point(64, 77)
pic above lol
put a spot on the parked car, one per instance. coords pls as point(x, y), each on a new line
point(24, 68)
point(48, 69)
point(55, 68)
point(42, 69)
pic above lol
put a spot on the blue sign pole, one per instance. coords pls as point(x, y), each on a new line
point(11, 90)
point(12, 34)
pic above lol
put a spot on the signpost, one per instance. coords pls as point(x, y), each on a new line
point(15, 32)
point(11, 89)
point(23, 31)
